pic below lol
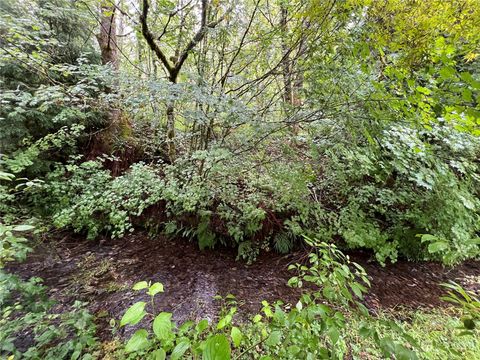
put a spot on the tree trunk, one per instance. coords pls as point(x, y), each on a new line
point(286, 63)
point(107, 37)
point(171, 131)
point(117, 125)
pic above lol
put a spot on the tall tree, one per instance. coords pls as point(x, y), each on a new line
point(175, 63)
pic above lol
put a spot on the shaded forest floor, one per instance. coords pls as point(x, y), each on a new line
point(102, 274)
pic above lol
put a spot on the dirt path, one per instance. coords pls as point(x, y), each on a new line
point(104, 274)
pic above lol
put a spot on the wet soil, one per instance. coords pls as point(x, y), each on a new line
point(102, 274)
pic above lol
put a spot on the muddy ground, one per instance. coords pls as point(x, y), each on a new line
point(102, 273)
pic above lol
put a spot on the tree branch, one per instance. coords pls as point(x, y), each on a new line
point(147, 34)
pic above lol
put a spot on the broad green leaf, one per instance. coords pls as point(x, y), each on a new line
point(155, 289)
point(365, 331)
point(179, 350)
point(23, 228)
point(201, 326)
point(236, 335)
point(134, 314)
point(274, 338)
point(159, 354)
point(217, 348)
point(437, 246)
point(162, 325)
point(186, 326)
point(138, 341)
point(140, 285)
point(333, 334)
point(427, 237)
point(357, 290)
point(224, 321)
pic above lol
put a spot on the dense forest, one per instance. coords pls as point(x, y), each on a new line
point(244, 179)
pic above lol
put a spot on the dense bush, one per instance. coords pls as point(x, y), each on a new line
point(414, 182)
point(216, 206)
point(413, 195)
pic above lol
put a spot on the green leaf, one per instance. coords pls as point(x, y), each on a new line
point(447, 72)
point(224, 321)
point(159, 354)
point(217, 348)
point(257, 318)
point(23, 228)
point(179, 350)
point(424, 90)
point(402, 353)
point(140, 285)
point(6, 176)
point(274, 338)
point(236, 335)
point(427, 237)
point(201, 326)
point(138, 341)
point(155, 289)
point(437, 246)
point(162, 325)
point(365, 331)
point(333, 334)
point(358, 290)
point(134, 314)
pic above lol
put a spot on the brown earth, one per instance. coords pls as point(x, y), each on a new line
point(103, 273)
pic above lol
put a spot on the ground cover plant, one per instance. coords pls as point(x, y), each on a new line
point(298, 130)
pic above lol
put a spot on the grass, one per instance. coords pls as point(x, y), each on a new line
point(436, 332)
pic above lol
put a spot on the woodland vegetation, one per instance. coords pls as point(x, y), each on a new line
point(321, 127)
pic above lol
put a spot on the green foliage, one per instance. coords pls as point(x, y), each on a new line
point(435, 331)
point(314, 328)
point(92, 199)
point(25, 309)
point(330, 271)
point(84, 196)
point(469, 304)
point(12, 246)
point(47, 94)
point(414, 182)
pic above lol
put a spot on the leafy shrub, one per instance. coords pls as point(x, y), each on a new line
point(42, 89)
point(414, 182)
point(202, 196)
point(92, 199)
point(310, 330)
point(29, 329)
point(414, 195)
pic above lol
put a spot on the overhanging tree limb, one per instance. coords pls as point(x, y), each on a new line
point(147, 34)
point(174, 69)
